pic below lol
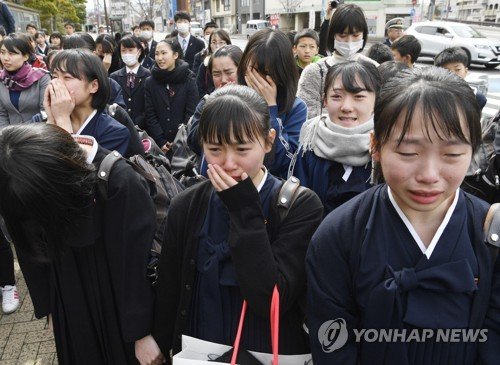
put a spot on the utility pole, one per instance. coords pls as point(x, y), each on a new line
point(251, 9)
point(106, 16)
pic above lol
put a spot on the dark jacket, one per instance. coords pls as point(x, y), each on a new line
point(134, 98)
point(263, 255)
point(198, 60)
point(148, 62)
point(108, 133)
point(116, 94)
point(195, 45)
point(6, 18)
point(98, 293)
point(171, 98)
point(204, 81)
point(152, 50)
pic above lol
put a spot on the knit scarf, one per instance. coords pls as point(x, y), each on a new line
point(349, 146)
point(23, 78)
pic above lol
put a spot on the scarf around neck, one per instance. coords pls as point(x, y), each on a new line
point(349, 146)
point(23, 78)
point(178, 75)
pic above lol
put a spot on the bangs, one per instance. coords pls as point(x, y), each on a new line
point(67, 62)
point(230, 122)
point(444, 118)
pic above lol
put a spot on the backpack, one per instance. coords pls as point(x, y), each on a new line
point(163, 187)
point(483, 176)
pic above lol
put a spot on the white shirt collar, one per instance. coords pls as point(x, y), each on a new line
point(263, 181)
point(427, 251)
point(179, 38)
point(87, 121)
point(133, 70)
point(93, 151)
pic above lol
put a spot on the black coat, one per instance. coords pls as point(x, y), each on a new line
point(171, 98)
point(260, 261)
point(195, 45)
point(204, 81)
point(98, 294)
point(148, 62)
point(152, 50)
point(134, 98)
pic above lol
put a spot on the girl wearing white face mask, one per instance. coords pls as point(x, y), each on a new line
point(131, 77)
point(347, 38)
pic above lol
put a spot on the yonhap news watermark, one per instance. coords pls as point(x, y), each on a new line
point(333, 335)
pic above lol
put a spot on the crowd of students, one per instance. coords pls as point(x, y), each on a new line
point(381, 236)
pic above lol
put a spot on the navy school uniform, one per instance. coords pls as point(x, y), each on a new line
point(148, 62)
point(328, 179)
point(116, 94)
point(109, 133)
point(364, 266)
point(134, 97)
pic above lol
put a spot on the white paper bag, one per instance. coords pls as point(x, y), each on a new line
point(197, 352)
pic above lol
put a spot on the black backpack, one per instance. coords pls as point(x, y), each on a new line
point(483, 177)
point(162, 188)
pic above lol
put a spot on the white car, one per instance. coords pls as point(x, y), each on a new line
point(196, 29)
point(435, 36)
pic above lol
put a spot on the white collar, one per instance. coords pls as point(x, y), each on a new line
point(263, 181)
point(87, 121)
point(133, 70)
point(427, 251)
point(93, 151)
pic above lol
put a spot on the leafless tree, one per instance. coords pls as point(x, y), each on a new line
point(146, 9)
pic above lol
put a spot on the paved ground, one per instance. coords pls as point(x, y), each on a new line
point(25, 340)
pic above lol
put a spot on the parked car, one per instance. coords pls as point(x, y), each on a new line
point(196, 29)
point(434, 36)
point(253, 26)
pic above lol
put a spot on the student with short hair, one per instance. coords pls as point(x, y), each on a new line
point(31, 29)
point(406, 49)
point(41, 44)
point(226, 242)
point(455, 59)
point(56, 40)
point(76, 97)
point(107, 50)
point(347, 37)
point(190, 45)
point(380, 52)
point(147, 31)
point(132, 78)
point(70, 28)
point(333, 158)
point(409, 255)
point(305, 48)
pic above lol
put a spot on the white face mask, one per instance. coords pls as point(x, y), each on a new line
point(148, 34)
point(183, 28)
point(129, 59)
point(347, 49)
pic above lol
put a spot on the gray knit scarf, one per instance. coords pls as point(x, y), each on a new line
point(349, 146)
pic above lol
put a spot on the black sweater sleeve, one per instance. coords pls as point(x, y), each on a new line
point(261, 264)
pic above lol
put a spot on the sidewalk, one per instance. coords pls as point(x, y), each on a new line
point(25, 340)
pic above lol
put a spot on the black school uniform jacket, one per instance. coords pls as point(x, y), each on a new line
point(134, 98)
point(170, 100)
point(263, 255)
point(98, 294)
point(195, 45)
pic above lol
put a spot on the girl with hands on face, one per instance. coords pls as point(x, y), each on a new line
point(77, 96)
point(268, 67)
point(225, 242)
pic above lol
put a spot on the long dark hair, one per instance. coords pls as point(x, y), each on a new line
point(270, 52)
point(46, 186)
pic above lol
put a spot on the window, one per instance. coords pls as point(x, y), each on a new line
point(427, 30)
point(227, 5)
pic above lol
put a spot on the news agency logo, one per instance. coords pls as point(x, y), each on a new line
point(333, 335)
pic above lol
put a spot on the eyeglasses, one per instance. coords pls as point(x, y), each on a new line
point(219, 44)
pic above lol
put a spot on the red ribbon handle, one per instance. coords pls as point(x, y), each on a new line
point(275, 326)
